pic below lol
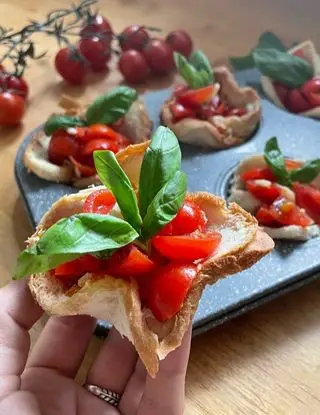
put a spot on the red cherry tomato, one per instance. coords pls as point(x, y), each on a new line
point(296, 102)
point(281, 90)
point(71, 65)
point(97, 25)
point(311, 91)
point(133, 66)
point(100, 201)
point(180, 42)
point(135, 264)
point(258, 173)
point(288, 213)
point(78, 267)
point(62, 145)
point(11, 108)
point(267, 194)
point(14, 84)
point(196, 98)
point(98, 144)
point(308, 198)
point(168, 289)
point(96, 51)
point(265, 217)
point(179, 112)
point(133, 37)
point(85, 134)
point(83, 170)
point(159, 56)
point(188, 219)
point(187, 247)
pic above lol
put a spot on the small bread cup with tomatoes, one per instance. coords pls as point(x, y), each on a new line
point(63, 151)
point(139, 251)
point(283, 194)
point(210, 110)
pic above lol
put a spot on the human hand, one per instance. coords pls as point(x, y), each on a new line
point(43, 383)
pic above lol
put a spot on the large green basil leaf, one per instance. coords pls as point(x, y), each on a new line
point(108, 108)
point(113, 177)
point(306, 173)
point(165, 205)
point(161, 160)
point(54, 122)
point(275, 160)
point(280, 66)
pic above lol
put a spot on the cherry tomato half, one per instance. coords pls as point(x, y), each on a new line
point(11, 108)
point(257, 174)
point(188, 219)
point(133, 66)
point(97, 144)
point(267, 194)
point(168, 289)
point(195, 98)
point(100, 201)
point(180, 42)
point(133, 37)
point(71, 65)
point(308, 198)
point(159, 56)
point(187, 247)
point(62, 145)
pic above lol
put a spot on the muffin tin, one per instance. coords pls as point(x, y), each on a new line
point(290, 265)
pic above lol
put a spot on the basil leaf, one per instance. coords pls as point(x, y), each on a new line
point(85, 233)
point(113, 177)
point(308, 172)
point(54, 122)
point(240, 63)
point(275, 160)
point(187, 71)
point(165, 205)
point(161, 161)
point(200, 62)
point(108, 108)
point(270, 40)
point(288, 69)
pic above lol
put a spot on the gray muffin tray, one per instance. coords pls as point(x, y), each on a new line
point(289, 266)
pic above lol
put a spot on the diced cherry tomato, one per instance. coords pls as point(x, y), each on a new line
point(266, 218)
point(258, 173)
point(221, 109)
point(100, 201)
point(135, 264)
point(187, 247)
point(288, 213)
point(237, 111)
point(292, 164)
point(97, 144)
point(179, 112)
point(265, 194)
point(62, 145)
point(179, 89)
point(78, 267)
point(308, 198)
point(83, 169)
point(168, 289)
point(195, 98)
point(188, 219)
point(100, 131)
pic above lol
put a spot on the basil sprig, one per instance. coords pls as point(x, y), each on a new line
point(275, 160)
point(198, 72)
point(162, 188)
point(106, 109)
point(271, 58)
point(72, 237)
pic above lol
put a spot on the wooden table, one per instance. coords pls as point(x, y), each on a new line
point(268, 361)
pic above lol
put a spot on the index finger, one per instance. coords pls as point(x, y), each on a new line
point(166, 393)
point(18, 313)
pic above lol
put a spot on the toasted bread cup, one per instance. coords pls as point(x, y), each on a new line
point(117, 301)
point(137, 126)
point(222, 132)
point(241, 196)
point(308, 51)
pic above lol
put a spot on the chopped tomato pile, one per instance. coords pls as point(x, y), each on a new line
point(276, 210)
point(201, 103)
point(165, 271)
point(78, 144)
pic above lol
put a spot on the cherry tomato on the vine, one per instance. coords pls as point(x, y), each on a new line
point(14, 84)
point(180, 41)
point(133, 66)
point(11, 108)
point(71, 65)
point(159, 56)
point(97, 24)
point(62, 145)
point(96, 51)
point(133, 37)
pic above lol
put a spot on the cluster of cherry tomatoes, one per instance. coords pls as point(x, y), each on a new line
point(140, 54)
point(13, 94)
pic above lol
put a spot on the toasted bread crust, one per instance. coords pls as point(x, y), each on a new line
point(136, 125)
point(236, 129)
